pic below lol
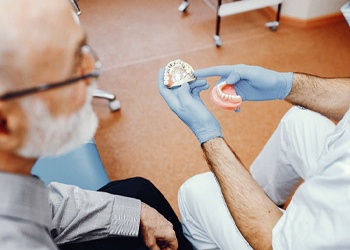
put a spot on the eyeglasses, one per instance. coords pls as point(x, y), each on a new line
point(75, 6)
point(47, 86)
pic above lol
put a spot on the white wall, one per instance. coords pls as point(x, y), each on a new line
point(309, 9)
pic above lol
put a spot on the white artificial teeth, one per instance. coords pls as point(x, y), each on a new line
point(177, 73)
point(234, 98)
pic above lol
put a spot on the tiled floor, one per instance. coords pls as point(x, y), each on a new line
point(135, 38)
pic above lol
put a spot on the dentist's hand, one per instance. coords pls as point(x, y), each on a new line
point(252, 83)
point(185, 102)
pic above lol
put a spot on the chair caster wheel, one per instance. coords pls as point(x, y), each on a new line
point(272, 25)
point(217, 40)
point(114, 105)
point(183, 6)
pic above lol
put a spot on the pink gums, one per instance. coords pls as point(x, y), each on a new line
point(225, 103)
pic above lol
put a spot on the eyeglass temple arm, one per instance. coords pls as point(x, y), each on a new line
point(76, 7)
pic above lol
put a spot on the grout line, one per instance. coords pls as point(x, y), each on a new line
point(157, 57)
point(174, 54)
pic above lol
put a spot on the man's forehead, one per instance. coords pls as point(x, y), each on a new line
point(34, 16)
point(35, 33)
point(31, 8)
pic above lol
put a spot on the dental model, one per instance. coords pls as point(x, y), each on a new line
point(225, 96)
point(177, 73)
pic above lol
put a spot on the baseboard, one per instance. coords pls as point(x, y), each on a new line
point(303, 23)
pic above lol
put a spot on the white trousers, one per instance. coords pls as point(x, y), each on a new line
point(289, 156)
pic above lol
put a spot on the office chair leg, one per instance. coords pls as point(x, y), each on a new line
point(274, 25)
point(183, 6)
point(218, 22)
point(114, 103)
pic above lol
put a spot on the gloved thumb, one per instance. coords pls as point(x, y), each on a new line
point(233, 78)
point(183, 94)
point(200, 85)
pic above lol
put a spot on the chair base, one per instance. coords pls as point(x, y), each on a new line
point(114, 103)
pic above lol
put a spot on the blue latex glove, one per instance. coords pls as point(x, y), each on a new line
point(252, 83)
point(186, 103)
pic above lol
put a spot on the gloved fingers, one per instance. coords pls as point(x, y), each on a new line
point(222, 79)
point(187, 89)
point(242, 72)
point(182, 90)
point(183, 94)
point(164, 90)
point(198, 83)
point(213, 71)
point(241, 90)
point(238, 76)
point(198, 86)
point(197, 90)
point(233, 78)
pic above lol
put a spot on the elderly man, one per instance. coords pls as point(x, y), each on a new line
point(230, 208)
point(47, 72)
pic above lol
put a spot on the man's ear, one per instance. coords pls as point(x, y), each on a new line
point(3, 122)
point(4, 131)
point(10, 138)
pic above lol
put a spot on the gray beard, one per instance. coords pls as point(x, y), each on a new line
point(49, 136)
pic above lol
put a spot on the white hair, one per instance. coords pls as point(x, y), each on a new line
point(48, 135)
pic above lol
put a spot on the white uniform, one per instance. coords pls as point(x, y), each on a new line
point(305, 146)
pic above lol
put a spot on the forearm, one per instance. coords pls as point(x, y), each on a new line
point(81, 215)
point(327, 96)
point(253, 212)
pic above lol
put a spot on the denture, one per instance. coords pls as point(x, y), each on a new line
point(225, 96)
point(178, 72)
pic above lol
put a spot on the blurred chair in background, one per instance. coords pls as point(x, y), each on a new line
point(81, 167)
point(114, 103)
point(225, 8)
